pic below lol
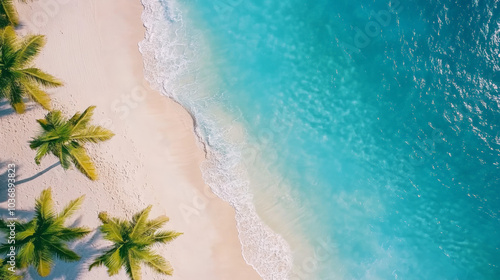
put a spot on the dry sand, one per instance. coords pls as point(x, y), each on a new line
point(153, 159)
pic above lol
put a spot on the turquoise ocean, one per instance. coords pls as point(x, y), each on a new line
point(355, 139)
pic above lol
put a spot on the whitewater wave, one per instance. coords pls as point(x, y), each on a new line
point(172, 60)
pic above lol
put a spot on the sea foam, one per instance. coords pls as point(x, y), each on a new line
point(173, 56)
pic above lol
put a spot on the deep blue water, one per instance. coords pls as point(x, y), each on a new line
point(382, 118)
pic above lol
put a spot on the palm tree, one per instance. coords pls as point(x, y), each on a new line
point(6, 274)
point(8, 14)
point(132, 244)
point(18, 79)
point(66, 139)
point(44, 238)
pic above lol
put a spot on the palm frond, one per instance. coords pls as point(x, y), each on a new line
point(83, 162)
point(62, 252)
point(55, 119)
point(71, 208)
point(157, 263)
point(80, 120)
point(44, 205)
point(27, 251)
point(30, 47)
point(9, 41)
point(139, 221)
point(63, 154)
point(165, 236)
point(26, 233)
point(70, 234)
point(43, 149)
point(93, 134)
point(45, 124)
point(132, 266)
point(9, 11)
point(111, 259)
point(104, 217)
point(43, 263)
point(15, 96)
point(41, 77)
point(155, 224)
point(36, 94)
point(112, 231)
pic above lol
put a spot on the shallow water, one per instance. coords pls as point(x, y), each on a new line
point(371, 128)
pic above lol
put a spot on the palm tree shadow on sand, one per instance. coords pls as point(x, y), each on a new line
point(4, 177)
point(72, 270)
point(22, 181)
point(6, 109)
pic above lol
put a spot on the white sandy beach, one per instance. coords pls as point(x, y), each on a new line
point(153, 159)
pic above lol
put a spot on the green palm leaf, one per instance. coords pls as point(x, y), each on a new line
point(112, 232)
point(114, 262)
point(71, 208)
point(62, 252)
point(43, 149)
point(38, 76)
point(45, 237)
point(132, 243)
point(83, 162)
point(18, 80)
point(65, 138)
point(30, 47)
point(132, 265)
point(44, 206)
point(93, 134)
point(15, 96)
point(27, 232)
point(8, 13)
point(139, 221)
point(165, 236)
point(71, 234)
point(26, 251)
point(9, 42)
point(111, 259)
point(36, 94)
point(156, 224)
point(80, 120)
point(157, 263)
point(43, 263)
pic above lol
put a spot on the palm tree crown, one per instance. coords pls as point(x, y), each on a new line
point(65, 139)
point(132, 244)
point(43, 238)
point(18, 79)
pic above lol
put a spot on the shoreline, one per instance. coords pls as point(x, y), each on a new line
point(183, 74)
point(154, 158)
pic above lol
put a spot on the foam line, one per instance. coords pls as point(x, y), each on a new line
point(170, 62)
